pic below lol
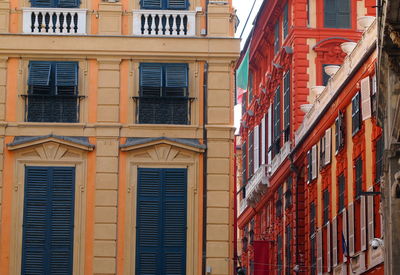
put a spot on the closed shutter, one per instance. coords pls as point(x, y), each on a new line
point(39, 73)
point(177, 4)
point(68, 3)
point(48, 220)
point(151, 4)
point(344, 235)
point(286, 103)
point(309, 166)
point(269, 135)
point(328, 146)
point(43, 3)
point(176, 76)
point(256, 148)
point(319, 252)
point(334, 242)
point(328, 246)
point(277, 114)
point(343, 13)
point(351, 229)
point(66, 74)
point(276, 38)
point(330, 14)
point(355, 113)
point(151, 79)
point(251, 154)
point(370, 216)
point(314, 162)
point(337, 135)
point(263, 147)
point(366, 98)
point(363, 225)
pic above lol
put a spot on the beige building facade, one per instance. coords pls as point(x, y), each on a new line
point(116, 137)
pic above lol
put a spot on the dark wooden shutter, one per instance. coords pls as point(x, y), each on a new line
point(151, 79)
point(66, 74)
point(151, 4)
point(355, 113)
point(48, 220)
point(285, 21)
point(39, 73)
point(177, 4)
point(286, 101)
point(174, 221)
point(68, 3)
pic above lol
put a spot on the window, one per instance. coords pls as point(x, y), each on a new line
point(277, 122)
point(339, 132)
point(161, 221)
point(312, 164)
point(379, 159)
point(251, 154)
point(288, 250)
point(52, 92)
point(286, 106)
point(56, 3)
point(163, 94)
point(337, 14)
point(276, 39)
point(341, 193)
point(356, 113)
point(164, 4)
point(244, 168)
point(312, 218)
point(48, 237)
point(279, 202)
point(325, 148)
point(279, 255)
point(285, 21)
point(288, 194)
point(326, 206)
point(358, 166)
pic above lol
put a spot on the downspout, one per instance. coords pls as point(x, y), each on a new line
point(205, 122)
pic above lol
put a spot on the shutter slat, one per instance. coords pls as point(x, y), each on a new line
point(366, 98)
point(151, 79)
point(370, 216)
point(351, 229)
point(363, 224)
point(176, 76)
point(39, 73)
point(66, 74)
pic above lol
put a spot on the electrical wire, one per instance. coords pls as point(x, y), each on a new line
point(248, 17)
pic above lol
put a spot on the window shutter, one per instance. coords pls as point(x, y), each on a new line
point(286, 103)
point(337, 135)
point(343, 13)
point(39, 73)
point(256, 148)
point(66, 74)
point(366, 98)
point(334, 242)
point(276, 38)
point(251, 154)
point(351, 229)
point(344, 232)
point(177, 4)
point(269, 134)
point(285, 21)
point(309, 160)
point(244, 163)
point(314, 162)
point(149, 221)
point(176, 76)
point(151, 4)
point(330, 14)
point(328, 145)
point(355, 107)
point(363, 221)
point(277, 114)
point(174, 221)
point(263, 150)
point(151, 79)
point(43, 3)
point(328, 246)
point(68, 3)
point(62, 220)
point(319, 252)
point(370, 209)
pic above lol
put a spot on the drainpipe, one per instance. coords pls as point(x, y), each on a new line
point(205, 122)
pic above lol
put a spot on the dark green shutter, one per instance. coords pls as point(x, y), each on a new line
point(177, 4)
point(286, 101)
point(151, 79)
point(176, 76)
point(48, 225)
point(330, 13)
point(161, 221)
point(355, 113)
point(68, 3)
point(309, 166)
point(39, 73)
point(66, 74)
point(326, 206)
point(151, 4)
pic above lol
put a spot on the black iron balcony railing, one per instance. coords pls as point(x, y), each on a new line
point(52, 108)
point(163, 110)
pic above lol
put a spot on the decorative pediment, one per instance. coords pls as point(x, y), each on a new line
point(51, 145)
point(164, 145)
point(329, 50)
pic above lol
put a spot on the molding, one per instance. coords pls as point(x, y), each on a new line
point(163, 140)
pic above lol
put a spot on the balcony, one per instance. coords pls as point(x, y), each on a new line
point(257, 185)
point(54, 21)
point(242, 206)
point(280, 158)
point(174, 23)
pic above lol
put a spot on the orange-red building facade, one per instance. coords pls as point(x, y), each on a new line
point(306, 203)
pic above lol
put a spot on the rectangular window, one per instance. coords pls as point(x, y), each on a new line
point(285, 21)
point(244, 169)
point(379, 159)
point(52, 92)
point(359, 171)
point(279, 253)
point(251, 154)
point(326, 206)
point(161, 221)
point(277, 41)
point(288, 250)
point(337, 14)
point(164, 4)
point(279, 202)
point(312, 218)
point(286, 106)
point(48, 231)
point(339, 132)
point(163, 94)
point(277, 122)
point(356, 113)
point(341, 193)
point(288, 194)
point(312, 164)
point(55, 3)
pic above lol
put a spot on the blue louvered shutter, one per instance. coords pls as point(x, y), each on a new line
point(149, 222)
point(151, 79)
point(177, 4)
point(151, 4)
point(43, 3)
point(66, 74)
point(174, 222)
point(39, 73)
point(176, 79)
point(68, 3)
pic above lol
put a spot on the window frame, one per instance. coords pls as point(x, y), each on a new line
point(163, 5)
